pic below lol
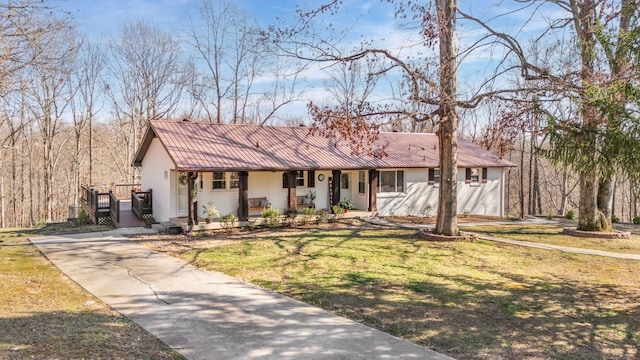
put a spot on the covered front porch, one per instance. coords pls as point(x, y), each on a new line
point(245, 194)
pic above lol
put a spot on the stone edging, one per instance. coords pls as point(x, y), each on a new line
point(426, 234)
point(597, 234)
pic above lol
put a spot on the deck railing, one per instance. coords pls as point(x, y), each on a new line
point(141, 203)
point(123, 191)
point(96, 204)
point(114, 208)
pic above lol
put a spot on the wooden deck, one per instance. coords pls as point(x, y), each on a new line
point(127, 217)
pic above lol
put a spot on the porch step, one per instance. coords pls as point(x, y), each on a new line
point(174, 230)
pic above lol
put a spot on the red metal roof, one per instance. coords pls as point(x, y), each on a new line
point(204, 146)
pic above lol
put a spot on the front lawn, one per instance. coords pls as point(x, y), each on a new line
point(479, 300)
point(45, 315)
point(552, 234)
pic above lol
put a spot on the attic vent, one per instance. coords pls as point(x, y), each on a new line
point(186, 120)
point(257, 144)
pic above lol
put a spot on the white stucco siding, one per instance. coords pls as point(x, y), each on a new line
point(480, 198)
point(322, 190)
point(360, 200)
point(415, 200)
point(156, 174)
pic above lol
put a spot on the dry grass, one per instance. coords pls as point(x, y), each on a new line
point(477, 300)
point(45, 315)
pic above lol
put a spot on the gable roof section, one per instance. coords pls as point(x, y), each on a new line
point(203, 146)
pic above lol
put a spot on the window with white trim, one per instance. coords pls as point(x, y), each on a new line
point(475, 176)
point(299, 178)
point(361, 182)
point(344, 181)
point(391, 181)
point(219, 180)
point(234, 180)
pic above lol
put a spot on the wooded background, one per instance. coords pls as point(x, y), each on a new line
point(74, 109)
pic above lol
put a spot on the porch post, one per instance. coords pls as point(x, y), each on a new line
point(373, 190)
point(193, 205)
point(243, 189)
point(335, 187)
point(291, 190)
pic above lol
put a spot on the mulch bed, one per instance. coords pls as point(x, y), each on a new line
point(426, 234)
point(597, 234)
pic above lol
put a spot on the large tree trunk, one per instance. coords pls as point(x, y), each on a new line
point(604, 197)
point(590, 218)
point(446, 222)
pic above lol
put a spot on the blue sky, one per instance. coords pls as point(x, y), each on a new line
point(100, 19)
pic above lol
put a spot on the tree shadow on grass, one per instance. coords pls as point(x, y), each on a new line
point(505, 316)
point(471, 319)
point(78, 335)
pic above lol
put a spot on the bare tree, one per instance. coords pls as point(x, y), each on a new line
point(50, 99)
point(84, 106)
point(440, 95)
point(146, 79)
point(241, 80)
point(599, 33)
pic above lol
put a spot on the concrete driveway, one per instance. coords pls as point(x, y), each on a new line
point(208, 315)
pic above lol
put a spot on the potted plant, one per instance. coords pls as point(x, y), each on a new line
point(311, 198)
point(346, 204)
point(209, 211)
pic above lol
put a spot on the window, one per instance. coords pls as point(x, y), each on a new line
point(234, 180)
point(475, 175)
point(391, 181)
point(434, 177)
point(361, 182)
point(344, 181)
point(219, 181)
point(300, 178)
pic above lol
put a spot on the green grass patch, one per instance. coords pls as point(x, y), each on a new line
point(552, 234)
point(45, 315)
point(479, 300)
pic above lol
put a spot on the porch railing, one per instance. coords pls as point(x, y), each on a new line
point(96, 204)
point(122, 191)
point(141, 204)
point(114, 208)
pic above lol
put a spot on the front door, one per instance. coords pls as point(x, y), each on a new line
point(183, 194)
point(345, 186)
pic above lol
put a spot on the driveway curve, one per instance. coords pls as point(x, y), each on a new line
point(209, 315)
